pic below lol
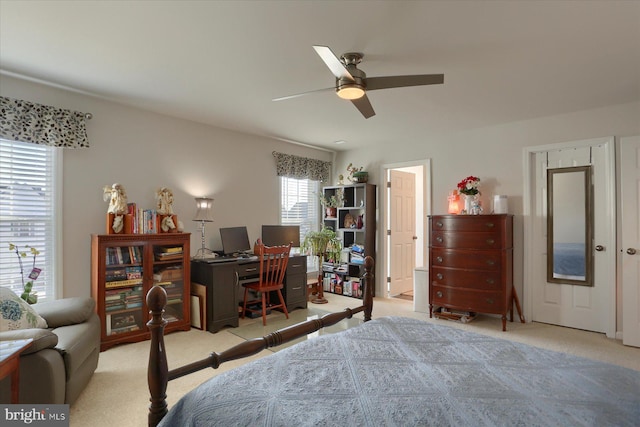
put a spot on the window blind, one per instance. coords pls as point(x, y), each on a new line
point(300, 206)
point(28, 204)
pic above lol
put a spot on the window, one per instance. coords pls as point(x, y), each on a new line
point(300, 206)
point(30, 176)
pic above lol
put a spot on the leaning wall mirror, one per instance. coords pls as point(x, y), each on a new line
point(569, 226)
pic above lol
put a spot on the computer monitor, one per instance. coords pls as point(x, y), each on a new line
point(279, 235)
point(235, 240)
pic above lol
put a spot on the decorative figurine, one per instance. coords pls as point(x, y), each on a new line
point(117, 197)
point(167, 224)
point(164, 196)
point(352, 169)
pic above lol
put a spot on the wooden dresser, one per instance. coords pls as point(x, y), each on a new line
point(471, 264)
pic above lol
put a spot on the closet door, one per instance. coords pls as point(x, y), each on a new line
point(590, 308)
point(630, 248)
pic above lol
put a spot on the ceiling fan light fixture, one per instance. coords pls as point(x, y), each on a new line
point(352, 91)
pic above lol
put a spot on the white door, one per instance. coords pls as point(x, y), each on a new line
point(402, 243)
point(583, 307)
point(630, 253)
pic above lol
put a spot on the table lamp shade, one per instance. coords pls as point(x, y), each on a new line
point(204, 212)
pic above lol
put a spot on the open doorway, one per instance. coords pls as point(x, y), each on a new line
point(405, 204)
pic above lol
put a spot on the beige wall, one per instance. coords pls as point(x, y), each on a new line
point(144, 151)
point(495, 154)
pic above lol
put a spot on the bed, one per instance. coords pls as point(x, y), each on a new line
point(397, 371)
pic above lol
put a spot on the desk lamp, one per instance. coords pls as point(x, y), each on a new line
point(204, 213)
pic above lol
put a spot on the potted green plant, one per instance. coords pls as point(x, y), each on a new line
point(27, 295)
point(326, 245)
point(331, 203)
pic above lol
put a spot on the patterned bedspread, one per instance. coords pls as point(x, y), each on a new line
point(396, 371)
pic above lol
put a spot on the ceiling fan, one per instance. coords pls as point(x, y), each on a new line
point(352, 83)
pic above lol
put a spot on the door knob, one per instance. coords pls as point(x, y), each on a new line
point(631, 251)
point(599, 248)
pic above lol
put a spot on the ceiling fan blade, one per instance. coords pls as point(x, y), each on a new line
point(364, 106)
point(388, 82)
point(337, 68)
point(303, 94)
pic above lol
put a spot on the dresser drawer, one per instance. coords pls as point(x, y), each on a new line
point(297, 265)
point(468, 300)
point(466, 222)
point(469, 279)
point(489, 260)
point(464, 239)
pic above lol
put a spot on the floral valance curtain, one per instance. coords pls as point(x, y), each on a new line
point(40, 124)
point(302, 167)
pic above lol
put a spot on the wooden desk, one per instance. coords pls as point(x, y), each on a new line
point(10, 363)
point(223, 282)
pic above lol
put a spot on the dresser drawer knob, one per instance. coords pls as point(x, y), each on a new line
point(491, 262)
point(439, 259)
point(491, 281)
point(490, 225)
point(490, 241)
point(439, 294)
point(439, 239)
point(490, 300)
point(439, 224)
point(439, 276)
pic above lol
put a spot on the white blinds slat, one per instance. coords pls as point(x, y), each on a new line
point(27, 214)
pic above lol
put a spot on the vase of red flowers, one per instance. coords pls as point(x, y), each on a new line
point(469, 188)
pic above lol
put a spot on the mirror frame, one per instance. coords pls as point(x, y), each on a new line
point(588, 212)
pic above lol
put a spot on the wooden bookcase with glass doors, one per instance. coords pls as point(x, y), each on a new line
point(124, 267)
point(355, 225)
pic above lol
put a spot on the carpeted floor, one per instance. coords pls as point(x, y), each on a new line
point(253, 328)
point(118, 394)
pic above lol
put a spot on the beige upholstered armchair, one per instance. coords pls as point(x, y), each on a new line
point(65, 349)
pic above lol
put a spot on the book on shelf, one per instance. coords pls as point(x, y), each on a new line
point(134, 254)
point(114, 297)
point(115, 306)
point(115, 274)
point(170, 273)
point(123, 255)
point(119, 283)
point(171, 249)
point(122, 330)
point(170, 318)
point(164, 284)
point(123, 320)
point(132, 210)
point(164, 256)
point(358, 249)
point(357, 259)
point(147, 220)
point(134, 272)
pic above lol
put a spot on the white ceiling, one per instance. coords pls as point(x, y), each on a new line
point(221, 62)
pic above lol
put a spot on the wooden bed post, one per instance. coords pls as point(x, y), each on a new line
point(157, 371)
point(369, 284)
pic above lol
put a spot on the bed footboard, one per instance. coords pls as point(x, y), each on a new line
point(158, 374)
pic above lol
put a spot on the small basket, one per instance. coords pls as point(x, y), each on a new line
point(360, 177)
